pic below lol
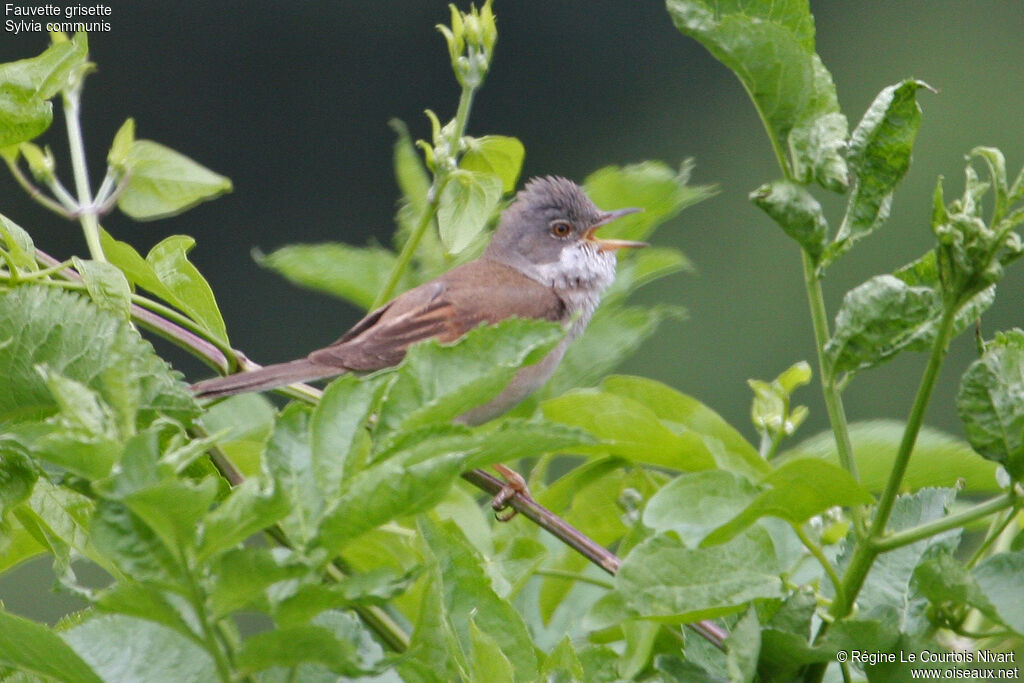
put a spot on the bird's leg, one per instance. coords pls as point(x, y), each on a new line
point(515, 485)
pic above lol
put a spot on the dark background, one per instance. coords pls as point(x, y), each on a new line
point(291, 101)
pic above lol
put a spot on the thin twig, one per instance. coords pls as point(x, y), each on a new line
point(37, 195)
point(549, 521)
point(577, 540)
point(176, 334)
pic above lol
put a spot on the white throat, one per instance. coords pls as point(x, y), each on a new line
point(579, 277)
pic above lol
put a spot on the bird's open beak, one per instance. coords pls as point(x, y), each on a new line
point(610, 244)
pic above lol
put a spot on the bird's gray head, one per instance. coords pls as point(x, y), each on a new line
point(549, 228)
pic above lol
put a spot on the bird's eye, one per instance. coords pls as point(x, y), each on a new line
point(561, 228)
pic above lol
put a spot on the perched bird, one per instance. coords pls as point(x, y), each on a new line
point(544, 261)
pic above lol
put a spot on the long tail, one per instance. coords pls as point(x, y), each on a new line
point(269, 377)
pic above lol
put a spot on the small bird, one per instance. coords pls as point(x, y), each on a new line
point(543, 261)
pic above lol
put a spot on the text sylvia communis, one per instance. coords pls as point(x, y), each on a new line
point(543, 261)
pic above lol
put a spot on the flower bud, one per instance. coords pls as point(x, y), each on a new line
point(470, 38)
point(40, 162)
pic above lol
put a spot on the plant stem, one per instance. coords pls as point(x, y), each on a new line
point(461, 117)
point(177, 335)
point(181, 321)
point(833, 400)
point(76, 145)
point(433, 201)
point(577, 540)
point(214, 645)
point(996, 529)
point(954, 521)
point(36, 194)
point(408, 249)
point(819, 555)
point(914, 421)
point(867, 549)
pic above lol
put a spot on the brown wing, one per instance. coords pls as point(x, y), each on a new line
point(482, 291)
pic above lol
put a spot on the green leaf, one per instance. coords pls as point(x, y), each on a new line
point(17, 545)
point(696, 503)
point(289, 461)
point(989, 402)
point(509, 440)
point(310, 599)
point(250, 508)
point(137, 551)
point(467, 202)
point(562, 664)
point(48, 73)
point(289, 647)
point(496, 155)
point(924, 272)
point(487, 662)
point(652, 186)
point(106, 284)
point(466, 598)
point(71, 337)
point(877, 634)
point(57, 519)
point(1001, 579)
point(17, 475)
point(661, 579)
point(630, 429)
point(138, 468)
point(18, 244)
point(339, 427)
point(167, 273)
point(938, 460)
point(189, 288)
point(243, 424)
point(144, 602)
point(81, 437)
point(797, 212)
point(948, 584)
point(877, 320)
point(770, 47)
point(879, 157)
point(639, 637)
point(888, 584)
point(31, 647)
point(798, 490)
point(678, 408)
point(355, 274)
point(173, 508)
point(163, 182)
point(27, 84)
point(413, 179)
point(438, 382)
point(122, 648)
point(241, 577)
point(122, 144)
point(23, 116)
point(644, 266)
point(612, 336)
point(743, 646)
point(602, 498)
point(391, 489)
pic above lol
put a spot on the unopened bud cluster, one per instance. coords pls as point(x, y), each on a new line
point(471, 38)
